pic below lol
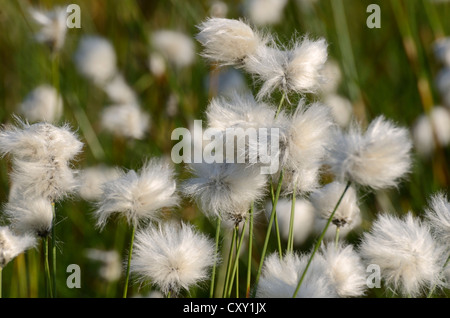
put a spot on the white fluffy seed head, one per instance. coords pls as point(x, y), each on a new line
point(175, 46)
point(346, 269)
point(91, 180)
point(29, 216)
point(172, 256)
point(438, 215)
point(126, 120)
point(53, 27)
point(378, 158)
point(96, 59)
point(341, 109)
point(42, 104)
point(404, 249)
point(279, 278)
point(265, 12)
point(139, 196)
point(119, 92)
point(111, 267)
point(228, 41)
point(12, 245)
point(225, 190)
point(325, 199)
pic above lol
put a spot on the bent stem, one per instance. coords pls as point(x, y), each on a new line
point(319, 241)
point(125, 289)
point(213, 274)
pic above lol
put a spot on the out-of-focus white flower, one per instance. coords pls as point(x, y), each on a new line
point(332, 77)
point(303, 218)
point(139, 196)
point(119, 92)
point(175, 46)
point(96, 59)
point(438, 216)
point(172, 256)
point(42, 104)
point(341, 109)
point(12, 245)
point(41, 158)
point(228, 41)
point(265, 12)
point(53, 27)
point(347, 215)
point(218, 9)
point(92, 179)
point(279, 278)
point(408, 256)
point(432, 129)
point(157, 64)
point(126, 120)
point(377, 158)
point(111, 268)
point(443, 85)
point(442, 50)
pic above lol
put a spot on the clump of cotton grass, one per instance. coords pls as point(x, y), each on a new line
point(96, 59)
point(264, 12)
point(297, 69)
point(172, 256)
point(410, 259)
point(280, 276)
point(228, 41)
point(432, 131)
point(176, 47)
point(378, 158)
point(53, 27)
point(303, 222)
point(91, 180)
point(308, 133)
point(125, 120)
point(346, 269)
point(41, 155)
point(29, 216)
point(346, 217)
point(119, 91)
point(225, 190)
point(111, 267)
point(341, 109)
point(42, 104)
point(138, 196)
point(438, 215)
point(12, 245)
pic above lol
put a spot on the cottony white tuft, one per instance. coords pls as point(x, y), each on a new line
point(12, 245)
point(53, 27)
point(42, 104)
point(127, 120)
point(175, 46)
point(92, 179)
point(265, 12)
point(438, 216)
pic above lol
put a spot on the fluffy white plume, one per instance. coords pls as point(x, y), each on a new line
point(408, 256)
point(111, 267)
point(53, 27)
point(12, 245)
point(119, 91)
point(139, 196)
point(341, 109)
point(228, 41)
point(175, 46)
point(42, 104)
point(172, 256)
point(92, 179)
point(265, 12)
point(279, 278)
point(127, 120)
point(438, 216)
point(96, 59)
point(378, 158)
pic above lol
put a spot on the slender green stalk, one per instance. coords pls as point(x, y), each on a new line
point(130, 252)
point(269, 227)
point(213, 275)
point(336, 237)
point(280, 104)
point(290, 244)
point(235, 271)
point(432, 290)
point(250, 249)
point(54, 249)
point(319, 241)
point(230, 260)
point(48, 285)
point(1, 275)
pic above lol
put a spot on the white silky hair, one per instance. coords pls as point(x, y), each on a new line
point(96, 59)
point(11, 245)
point(410, 259)
point(279, 278)
point(91, 180)
point(126, 120)
point(53, 26)
point(172, 256)
point(264, 12)
point(228, 41)
point(43, 103)
point(438, 216)
point(378, 158)
point(175, 46)
point(139, 196)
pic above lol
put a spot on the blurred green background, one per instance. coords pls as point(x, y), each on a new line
point(390, 71)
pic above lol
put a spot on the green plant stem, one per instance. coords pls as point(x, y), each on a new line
point(230, 260)
point(48, 285)
point(280, 104)
point(213, 274)
point(250, 249)
point(290, 244)
point(336, 237)
point(269, 227)
point(1, 275)
point(319, 241)
point(235, 271)
point(130, 252)
point(54, 249)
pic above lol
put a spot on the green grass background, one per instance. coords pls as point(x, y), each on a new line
point(381, 71)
